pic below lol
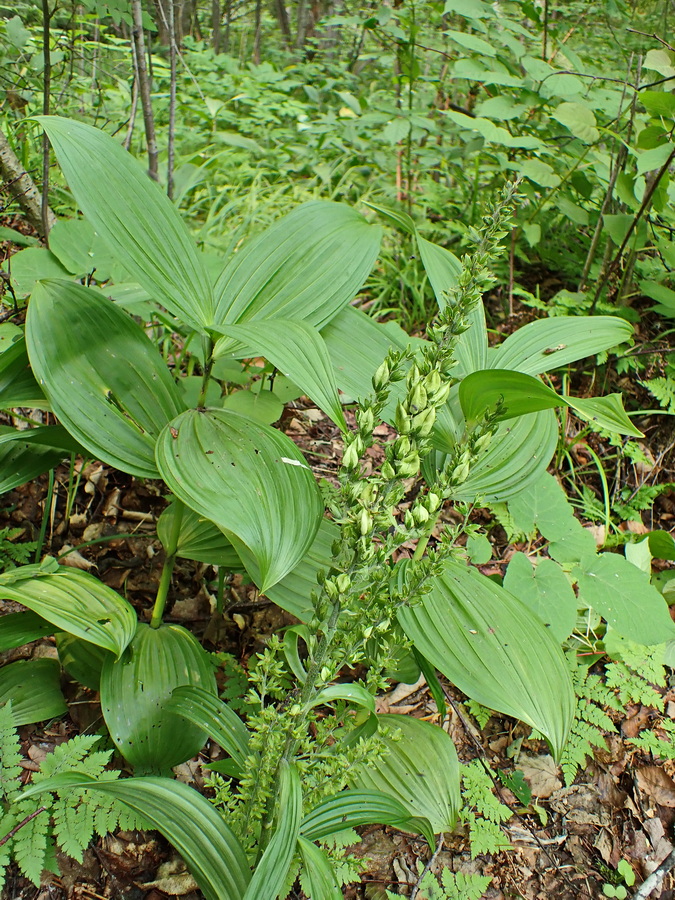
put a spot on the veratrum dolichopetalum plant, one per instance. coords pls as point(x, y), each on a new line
point(314, 760)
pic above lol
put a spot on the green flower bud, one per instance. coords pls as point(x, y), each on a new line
point(384, 625)
point(330, 588)
point(433, 382)
point(441, 395)
point(381, 377)
point(423, 422)
point(368, 631)
point(343, 582)
point(401, 447)
point(365, 522)
point(366, 421)
point(461, 473)
point(418, 397)
point(387, 471)
point(402, 420)
point(325, 674)
point(350, 460)
point(433, 501)
point(295, 710)
point(483, 441)
point(421, 514)
point(408, 466)
point(409, 519)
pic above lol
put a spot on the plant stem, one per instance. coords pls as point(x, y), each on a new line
point(167, 569)
point(45, 517)
point(207, 345)
point(424, 539)
point(47, 69)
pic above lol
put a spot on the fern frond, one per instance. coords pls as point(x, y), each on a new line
point(10, 756)
point(29, 844)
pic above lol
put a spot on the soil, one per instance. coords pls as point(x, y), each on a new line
point(621, 806)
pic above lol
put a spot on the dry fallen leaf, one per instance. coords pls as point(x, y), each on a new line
point(654, 782)
point(541, 773)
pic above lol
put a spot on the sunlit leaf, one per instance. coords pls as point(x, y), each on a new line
point(135, 218)
point(21, 462)
point(21, 628)
point(198, 539)
point(212, 715)
point(104, 378)
point(82, 660)
point(297, 269)
point(250, 480)
point(495, 649)
point(420, 770)
point(318, 873)
point(353, 808)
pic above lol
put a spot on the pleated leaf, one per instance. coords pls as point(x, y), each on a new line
point(353, 808)
point(212, 715)
point(136, 690)
point(82, 660)
point(18, 386)
point(270, 875)
point(305, 267)
point(17, 629)
point(198, 539)
point(550, 343)
point(293, 592)
point(134, 217)
point(249, 479)
point(298, 351)
point(420, 770)
point(21, 462)
point(34, 687)
point(495, 649)
point(318, 875)
point(519, 453)
point(103, 376)
point(187, 820)
point(73, 601)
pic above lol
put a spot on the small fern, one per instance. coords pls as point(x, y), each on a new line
point(663, 390)
point(65, 820)
point(660, 742)
point(483, 811)
point(449, 886)
point(13, 553)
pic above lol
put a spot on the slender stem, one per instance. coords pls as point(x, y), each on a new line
point(46, 88)
point(207, 344)
point(45, 517)
point(424, 539)
point(167, 569)
point(22, 823)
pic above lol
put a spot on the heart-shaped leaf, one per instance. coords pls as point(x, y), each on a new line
point(495, 649)
point(134, 217)
point(103, 376)
point(249, 479)
point(75, 602)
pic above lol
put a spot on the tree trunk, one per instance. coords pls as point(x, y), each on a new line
point(22, 187)
point(215, 26)
point(144, 88)
point(284, 21)
point(258, 25)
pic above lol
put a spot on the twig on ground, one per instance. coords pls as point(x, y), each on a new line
point(650, 884)
point(432, 860)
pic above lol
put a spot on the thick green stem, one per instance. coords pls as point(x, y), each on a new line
point(424, 539)
point(167, 569)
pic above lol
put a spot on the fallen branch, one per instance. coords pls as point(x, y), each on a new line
point(650, 884)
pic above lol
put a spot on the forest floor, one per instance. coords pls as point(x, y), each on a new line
point(621, 805)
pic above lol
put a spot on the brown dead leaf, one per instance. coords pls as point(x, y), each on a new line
point(654, 782)
point(172, 878)
point(541, 773)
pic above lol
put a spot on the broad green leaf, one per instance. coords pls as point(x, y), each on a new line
point(82, 660)
point(420, 770)
point(579, 119)
point(212, 715)
point(32, 265)
point(550, 343)
point(540, 173)
point(136, 689)
point(134, 217)
point(520, 394)
point(658, 103)
point(352, 693)
point(293, 592)
point(493, 647)
point(652, 159)
point(516, 457)
point(605, 412)
point(199, 539)
point(493, 134)
point(469, 9)
point(52, 437)
point(353, 808)
point(75, 602)
point(18, 386)
point(269, 878)
point(104, 378)
point(17, 629)
point(299, 352)
point(305, 267)
point(263, 407)
point(21, 462)
point(472, 42)
point(318, 873)
point(34, 687)
point(658, 59)
point(249, 479)
point(661, 545)
point(395, 216)
point(622, 595)
point(186, 819)
point(82, 250)
point(546, 589)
